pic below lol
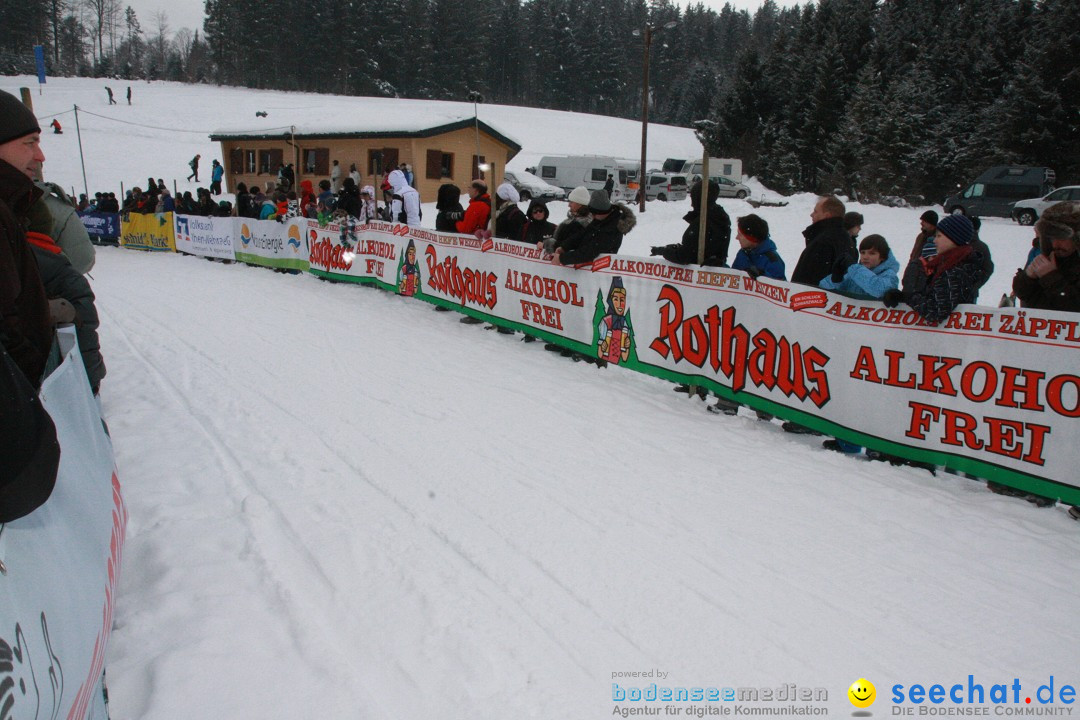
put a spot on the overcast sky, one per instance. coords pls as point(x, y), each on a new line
point(189, 13)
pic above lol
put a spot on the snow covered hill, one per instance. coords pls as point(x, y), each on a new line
point(345, 505)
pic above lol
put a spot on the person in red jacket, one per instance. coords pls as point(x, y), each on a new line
point(479, 210)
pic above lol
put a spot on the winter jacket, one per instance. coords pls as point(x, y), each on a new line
point(367, 207)
point(762, 256)
point(601, 236)
point(406, 203)
point(935, 299)
point(1056, 290)
point(448, 203)
point(29, 451)
point(717, 239)
point(569, 231)
point(268, 210)
point(25, 324)
point(476, 215)
point(61, 280)
point(349, 201)
point(535, 231)
point(217, 173)
point(68, 231)
point(826, 241)
point(862, 282)
point(509, 222)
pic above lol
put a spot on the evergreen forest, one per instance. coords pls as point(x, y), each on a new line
point(879, 97)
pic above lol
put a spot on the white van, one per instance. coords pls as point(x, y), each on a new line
point(592, 171)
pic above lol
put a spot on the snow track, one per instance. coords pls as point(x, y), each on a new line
point(344, 504)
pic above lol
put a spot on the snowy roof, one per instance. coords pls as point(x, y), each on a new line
point(369, 118)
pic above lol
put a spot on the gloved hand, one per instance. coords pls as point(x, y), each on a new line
point(892, 298)
point(61, 311)
point(840, 268)
point(656, 250)
point(754, 271)
point(40, 219)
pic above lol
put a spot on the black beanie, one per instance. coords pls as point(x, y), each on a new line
point(16, 119)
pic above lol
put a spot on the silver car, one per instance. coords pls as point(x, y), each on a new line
point(1026, 212)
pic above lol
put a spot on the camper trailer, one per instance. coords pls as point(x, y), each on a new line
point(570, 171)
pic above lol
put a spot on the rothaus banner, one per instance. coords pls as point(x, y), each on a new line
point(101, 226)
point(272, 244)
point(147, 232)
point(205, 236)
point(994, 392)
point(62, 565)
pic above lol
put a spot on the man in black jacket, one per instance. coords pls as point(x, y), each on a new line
point(603, 235)
point(25, 324)
point(717, 232)
point(826, 243)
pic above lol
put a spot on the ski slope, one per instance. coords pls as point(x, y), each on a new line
point(345, 505)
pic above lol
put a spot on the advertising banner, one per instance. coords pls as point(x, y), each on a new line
point(205, 236)
point(62, 564)
point(147, 232)
point(272, 244)
point(101, 226)
point(994, 392)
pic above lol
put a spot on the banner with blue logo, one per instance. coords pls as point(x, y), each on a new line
point(39, 60)
point(205, 236)
point(101, 226)
point(272, 244)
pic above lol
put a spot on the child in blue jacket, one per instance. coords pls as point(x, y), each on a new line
point(757, 256)
point(876, 273)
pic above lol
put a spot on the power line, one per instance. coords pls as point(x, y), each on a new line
point(158, 127)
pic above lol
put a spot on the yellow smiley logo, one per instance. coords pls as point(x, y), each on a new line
point(862, 693)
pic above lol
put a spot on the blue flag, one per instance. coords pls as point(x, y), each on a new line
point(39, 58)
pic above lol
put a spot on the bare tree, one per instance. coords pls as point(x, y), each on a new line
point(182, 40)
point(98, 22)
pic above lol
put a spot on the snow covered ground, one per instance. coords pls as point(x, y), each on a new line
point(345, 505)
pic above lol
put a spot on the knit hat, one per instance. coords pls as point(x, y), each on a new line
point(16, 120)
point(580, 195)
point(599, 202)
point(957, 228)
point(754, 227)
point(508, 192)
point(930, 217)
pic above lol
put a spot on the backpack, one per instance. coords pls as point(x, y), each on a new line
point(402, 216)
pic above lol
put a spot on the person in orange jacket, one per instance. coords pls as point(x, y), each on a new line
point(479, 210)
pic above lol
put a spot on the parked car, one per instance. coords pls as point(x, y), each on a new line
point(1026, 212)
point(530, 186)
point(729, 188)
point(995, 191)
point(665, 187)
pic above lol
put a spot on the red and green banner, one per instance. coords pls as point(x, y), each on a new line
point(994, 392)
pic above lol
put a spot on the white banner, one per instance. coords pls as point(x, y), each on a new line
point(62, 564)
point(206, 236)
point(993, 392)
point(272, 244)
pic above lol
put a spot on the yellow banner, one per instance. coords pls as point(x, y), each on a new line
point(147, 232)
